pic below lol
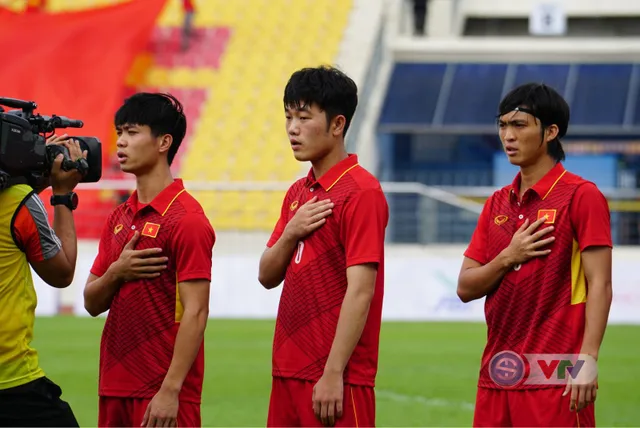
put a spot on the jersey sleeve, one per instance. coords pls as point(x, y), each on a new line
point(591, 217)
point(193, 242)
point(103, 259)
point(33, 233)
point(280, 225)
point(363, 225)
point(477, 247)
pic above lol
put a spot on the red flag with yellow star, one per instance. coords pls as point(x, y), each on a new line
point(150, 229)
point(549, 215)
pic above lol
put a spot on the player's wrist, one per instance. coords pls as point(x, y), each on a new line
point(289, 237)
point(506, 259)
point(171, 387)
point(116, 272)
point(332, 370)
point(593, 353)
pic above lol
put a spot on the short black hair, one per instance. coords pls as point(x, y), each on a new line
point(161, 112)
point(544, 103)
point(329, 88)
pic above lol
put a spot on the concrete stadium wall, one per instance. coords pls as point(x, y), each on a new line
point(573, 8)
point(420, 285)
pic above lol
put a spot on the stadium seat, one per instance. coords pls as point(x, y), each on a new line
point(75, 5)
point(599, 94)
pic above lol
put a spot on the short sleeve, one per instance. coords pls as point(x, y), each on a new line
point(103, 259)
point(477, 247)
point(192, 247)
point(364, 221)
point(281, 224)
point(33, 233)
point(591, 217)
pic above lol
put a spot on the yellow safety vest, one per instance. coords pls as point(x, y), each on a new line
point(18, 300)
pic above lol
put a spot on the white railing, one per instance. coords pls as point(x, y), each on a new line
point(445, 196)
point(419, 214)
point(612, 193)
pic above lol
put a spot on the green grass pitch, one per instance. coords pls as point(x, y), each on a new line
point(427, 374)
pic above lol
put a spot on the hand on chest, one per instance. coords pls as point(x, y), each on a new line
point(528, 234)
point(317, 229)
point(317, 213)
point(152, 242)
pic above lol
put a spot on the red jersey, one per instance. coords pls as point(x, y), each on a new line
point(316, 279)
point(142, 323)
point(539, 307)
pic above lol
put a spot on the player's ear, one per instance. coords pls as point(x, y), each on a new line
point(165, 143)
point(551, 132)
point(337, 125)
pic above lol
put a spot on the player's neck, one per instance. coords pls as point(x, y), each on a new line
point(530, 175)
point(321, 166)
point(150, 185)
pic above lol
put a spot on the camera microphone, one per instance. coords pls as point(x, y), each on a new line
point(65, 122)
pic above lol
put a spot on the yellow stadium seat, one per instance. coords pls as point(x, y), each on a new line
point(75, 5)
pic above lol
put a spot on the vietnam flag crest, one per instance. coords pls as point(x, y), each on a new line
point(150, 229)
point(549, 215)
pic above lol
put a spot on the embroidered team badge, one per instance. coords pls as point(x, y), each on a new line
point(293, 205)
point(500, 219)
point(549, 215)
point(150, 229)
point(117, 229)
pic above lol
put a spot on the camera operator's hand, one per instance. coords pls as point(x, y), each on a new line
point(138, 264)
point(65, 181)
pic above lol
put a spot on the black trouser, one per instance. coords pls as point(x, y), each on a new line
point(35, 404)
point(419, 16)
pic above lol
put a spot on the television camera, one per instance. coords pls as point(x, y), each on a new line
point(25, 157)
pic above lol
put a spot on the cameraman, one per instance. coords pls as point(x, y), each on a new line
point(27, 397)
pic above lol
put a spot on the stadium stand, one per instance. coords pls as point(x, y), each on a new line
point(436, 124)
point(240, 61)
point(231, 81)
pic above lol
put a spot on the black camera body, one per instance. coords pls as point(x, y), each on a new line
point(24, 154)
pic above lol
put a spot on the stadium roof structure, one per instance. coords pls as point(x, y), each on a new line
point(462, 98)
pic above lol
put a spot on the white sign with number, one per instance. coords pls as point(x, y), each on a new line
point(548, 18)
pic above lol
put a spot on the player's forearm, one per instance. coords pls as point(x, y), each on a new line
point(597, 314)
point(188, 341)
point(274, 261)
point(99, 293)
point(64, 227)
point(475, 283)
point(353, 317)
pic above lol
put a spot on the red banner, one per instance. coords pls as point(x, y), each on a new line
point(75, 64)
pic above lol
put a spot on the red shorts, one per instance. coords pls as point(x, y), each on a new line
point(291, 405)
point(531, 407)
point(129, 412)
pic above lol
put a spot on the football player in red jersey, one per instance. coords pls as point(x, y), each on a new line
point(328, 247)
point(541, 246)
point(152, 274)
